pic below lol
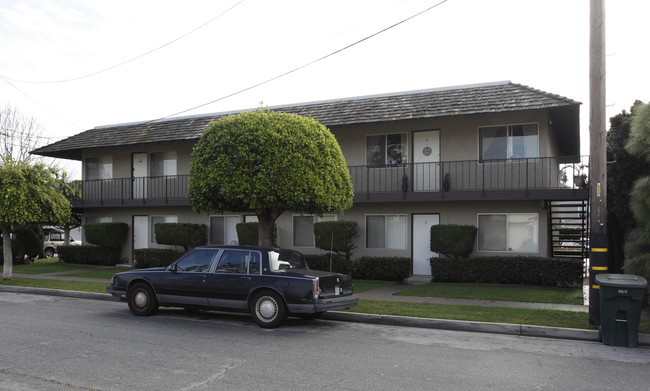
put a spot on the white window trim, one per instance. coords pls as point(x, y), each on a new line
point(210, 227)
point(315, 220)
point(507, 159)
point(386, 215)
point(167, 219)
point(507, 230)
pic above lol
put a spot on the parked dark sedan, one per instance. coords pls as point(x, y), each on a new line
point(269, 283)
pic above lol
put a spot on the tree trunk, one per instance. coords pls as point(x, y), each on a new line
point(66, 231)
point(7, 269)
point(265, 228)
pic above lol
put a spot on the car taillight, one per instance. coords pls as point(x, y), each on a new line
point(316, 288)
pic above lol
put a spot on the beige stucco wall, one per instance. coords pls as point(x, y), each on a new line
point(458, 135)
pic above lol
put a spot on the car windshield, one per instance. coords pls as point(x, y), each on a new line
point(286, 259)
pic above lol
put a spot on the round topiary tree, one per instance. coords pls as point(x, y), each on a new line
point(268, 163)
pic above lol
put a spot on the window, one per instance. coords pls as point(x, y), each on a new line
point(223, 229)
point(508, 142)
point(303, 229)
point(386, 231)
point(197, 261)
point(97, 219)
point(516, 232)
point(99, 167)
point(160, 219)
point(240, 262)
point(162, 163)
point(386, 149)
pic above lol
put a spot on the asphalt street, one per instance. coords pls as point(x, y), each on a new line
point(67, 343)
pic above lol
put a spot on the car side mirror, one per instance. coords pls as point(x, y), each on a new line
point(173, 268)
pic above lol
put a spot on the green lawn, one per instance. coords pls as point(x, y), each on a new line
point(531, 294)
point(49, 265)
point(579, 320)
point(97, 287)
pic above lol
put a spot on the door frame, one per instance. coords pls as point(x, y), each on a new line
point(413, 241)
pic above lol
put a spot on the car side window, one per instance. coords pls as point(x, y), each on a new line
point(233, 261)
point(197, 261)
point(254, 263)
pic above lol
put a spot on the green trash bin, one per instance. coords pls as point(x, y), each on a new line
point(621, 299)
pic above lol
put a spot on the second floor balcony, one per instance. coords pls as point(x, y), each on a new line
point(558, 178)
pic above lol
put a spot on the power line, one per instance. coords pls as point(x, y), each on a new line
point(305, 65)
point(124, 62)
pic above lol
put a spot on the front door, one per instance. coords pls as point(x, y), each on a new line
point(422, 243)
point(140, 168)
point(140, 232)
point(426, 159)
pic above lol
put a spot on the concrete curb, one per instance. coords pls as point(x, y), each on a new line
point(58, 292)
point(391, 320)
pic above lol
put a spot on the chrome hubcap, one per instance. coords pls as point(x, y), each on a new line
point(140, 299)
point(267, 308)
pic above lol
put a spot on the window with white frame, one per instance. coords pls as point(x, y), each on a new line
point(162, 163)
point(386, 231)
point(99, 167)
point(515, 232)
point(160, 219)
point(98, 219)
point(386, 149)
point(508, 142)
point(223, 229)
point(303, 229)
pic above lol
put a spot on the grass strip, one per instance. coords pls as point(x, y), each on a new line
point(366, 285)
point(81, 286)
point(535, 317)
point(523, 293)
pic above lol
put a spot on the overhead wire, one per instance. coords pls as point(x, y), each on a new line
point(123, 62)
point(304, 65)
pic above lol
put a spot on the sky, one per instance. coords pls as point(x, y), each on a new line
point(77, 64)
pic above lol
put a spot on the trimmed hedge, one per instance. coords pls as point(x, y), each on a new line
point(453, 241)
point(155, 257)
point(336, 236)
point(185, 235)
point(509, 270)
point(110, 235)
point(248, 233)
point(364, 268)
point(31, 242)
point(89, 255)
point(17, 252)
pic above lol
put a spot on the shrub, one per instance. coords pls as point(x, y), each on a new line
point(364, 268)
point(185, 235)
point(110, 235)
point(509, 270)
point(248, 234)
point(381, 268)
point(31, 242)
point(322, 262)
point(453, 241)
point(17, 251)
point(90, 255)
point(155, 257)
point(336, 236)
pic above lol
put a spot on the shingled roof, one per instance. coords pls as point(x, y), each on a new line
point(442, 102)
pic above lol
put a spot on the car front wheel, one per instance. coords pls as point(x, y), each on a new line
point(142, 300)
point(268, 309)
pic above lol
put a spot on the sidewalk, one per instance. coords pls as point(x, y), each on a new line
point(386, 293)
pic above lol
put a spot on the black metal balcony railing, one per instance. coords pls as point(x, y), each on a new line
point(129, 191)
point(472, 175)
point(453, 176)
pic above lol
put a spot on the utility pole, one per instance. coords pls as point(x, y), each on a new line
point(597, 159)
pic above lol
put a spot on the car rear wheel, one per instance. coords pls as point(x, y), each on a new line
point(268, 309)
point(142, 300)
point(49, 252)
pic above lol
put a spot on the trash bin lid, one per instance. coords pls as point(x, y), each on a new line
point(621, 280)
